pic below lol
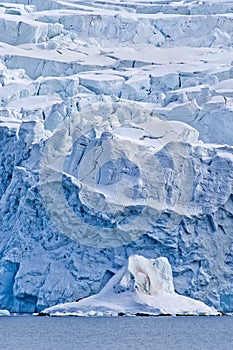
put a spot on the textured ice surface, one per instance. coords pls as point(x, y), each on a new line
point(144, 287)
point(4, 313)
point(101, 104)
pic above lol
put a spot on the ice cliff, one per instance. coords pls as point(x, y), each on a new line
point(116, 125)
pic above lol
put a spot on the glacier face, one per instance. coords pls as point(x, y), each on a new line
point(100, 108)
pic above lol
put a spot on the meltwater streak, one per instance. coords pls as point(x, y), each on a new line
point(123, 333)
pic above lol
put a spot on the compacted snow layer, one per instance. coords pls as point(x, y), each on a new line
point(101, 105)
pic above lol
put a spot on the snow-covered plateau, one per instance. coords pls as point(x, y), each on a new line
point(116, 139)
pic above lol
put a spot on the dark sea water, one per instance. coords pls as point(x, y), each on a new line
point(162, 333)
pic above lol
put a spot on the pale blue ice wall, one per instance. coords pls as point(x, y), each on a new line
point(41, 266)
point(114, 49)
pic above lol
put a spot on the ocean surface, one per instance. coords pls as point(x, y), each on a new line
point(162, 333)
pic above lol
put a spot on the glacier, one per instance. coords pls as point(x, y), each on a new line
point(143, 287)
point(116, 125)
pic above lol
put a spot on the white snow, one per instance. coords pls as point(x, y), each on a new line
point(116, 124)
point(4, 313)
point(143, 287)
